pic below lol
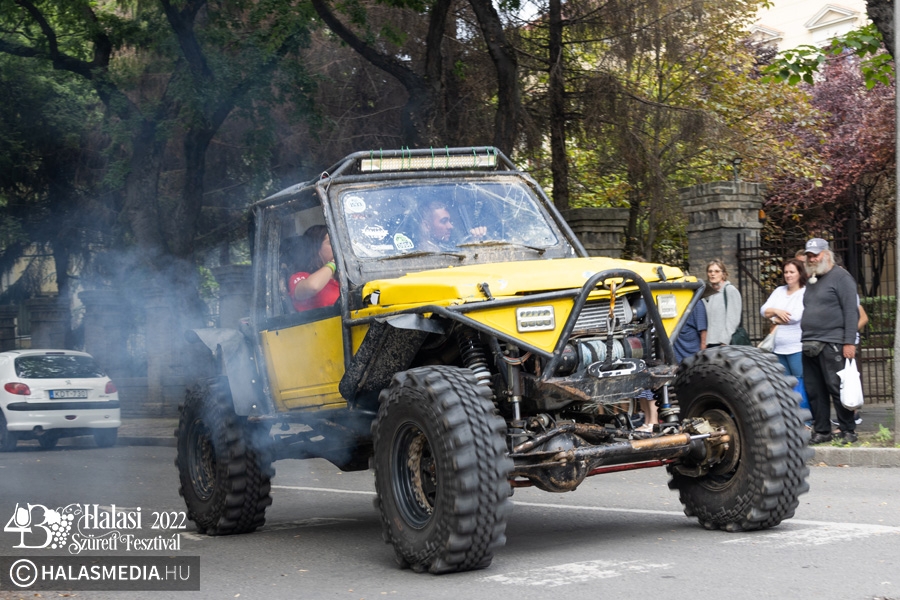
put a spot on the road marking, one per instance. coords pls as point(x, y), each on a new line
point(315, 489)
point(811, 533)
point(637, 511)
point(578, 572)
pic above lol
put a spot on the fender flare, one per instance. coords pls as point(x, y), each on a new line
point(235, 361)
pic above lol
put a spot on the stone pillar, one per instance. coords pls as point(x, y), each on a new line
point(106, 330)
point(165, 351)
point(8, 314)
point(717, 213)
point(600, 230)
point(235, 290)
point(49, 322)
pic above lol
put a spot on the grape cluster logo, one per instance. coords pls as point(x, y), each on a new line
point(42, 527)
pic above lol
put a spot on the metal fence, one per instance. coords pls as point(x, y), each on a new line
point(870, 256)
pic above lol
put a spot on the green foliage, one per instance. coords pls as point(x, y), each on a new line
point(802, 63)
point(209, 287)
point(883, 435)
point(882, 311)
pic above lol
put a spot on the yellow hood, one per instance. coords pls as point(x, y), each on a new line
point(455, 284)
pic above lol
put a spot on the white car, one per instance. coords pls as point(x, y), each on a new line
point(50, 394)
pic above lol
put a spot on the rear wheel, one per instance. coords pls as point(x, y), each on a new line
point(758, 482)
point(441, 470)
point(106, 438)
point(8, 439)
point(224, 463)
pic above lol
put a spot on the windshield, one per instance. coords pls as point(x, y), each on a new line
point(440, 218)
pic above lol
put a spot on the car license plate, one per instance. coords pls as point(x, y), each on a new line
point(67, 394)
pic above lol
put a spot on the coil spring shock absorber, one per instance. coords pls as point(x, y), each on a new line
point(473, 355)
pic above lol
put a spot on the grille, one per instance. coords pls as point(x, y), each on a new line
point(593, 316)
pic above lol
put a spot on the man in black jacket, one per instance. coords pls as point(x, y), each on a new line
point(829, 324)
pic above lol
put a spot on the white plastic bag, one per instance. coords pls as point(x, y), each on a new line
point(851, 386)
point(768, 342)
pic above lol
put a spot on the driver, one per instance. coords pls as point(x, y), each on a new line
point(437, 227)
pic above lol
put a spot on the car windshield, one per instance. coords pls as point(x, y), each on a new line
point(57, 366)
point(439, 218)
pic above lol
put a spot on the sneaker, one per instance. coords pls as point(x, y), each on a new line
point(848, 437)
point(857, 418)
point(819, 438)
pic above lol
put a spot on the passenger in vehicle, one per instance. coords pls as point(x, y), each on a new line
point(314, 284)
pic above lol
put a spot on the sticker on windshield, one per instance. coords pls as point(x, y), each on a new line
point(354, 204)
point(375, 232)
point(403, 243)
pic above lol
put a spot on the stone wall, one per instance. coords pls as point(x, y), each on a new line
point(600, 230)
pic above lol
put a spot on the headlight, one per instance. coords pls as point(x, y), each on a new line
point(535, 318)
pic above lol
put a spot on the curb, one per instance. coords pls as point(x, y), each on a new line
point(831, 456)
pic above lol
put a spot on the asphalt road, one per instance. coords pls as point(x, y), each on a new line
point(617, 536)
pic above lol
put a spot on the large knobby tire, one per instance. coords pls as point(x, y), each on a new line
point(8, 439)
point(441, 470)
point(224, 463)
point(764, 471)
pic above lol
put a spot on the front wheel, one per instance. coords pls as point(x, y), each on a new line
point(761, 475)
point(224, 463)
point(441, 470)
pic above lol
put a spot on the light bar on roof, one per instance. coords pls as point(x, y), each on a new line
point(377, 163)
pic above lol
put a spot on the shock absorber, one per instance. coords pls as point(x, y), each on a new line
point(668, 412)
point(473, 355)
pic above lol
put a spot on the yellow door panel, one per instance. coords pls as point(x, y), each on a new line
point(305, 364)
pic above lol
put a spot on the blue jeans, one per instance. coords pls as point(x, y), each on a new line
point(793, 365)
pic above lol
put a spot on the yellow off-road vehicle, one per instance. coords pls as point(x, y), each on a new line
point(498, 356)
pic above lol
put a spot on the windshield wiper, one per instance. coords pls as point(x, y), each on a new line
point(537, 249)
point(421, 253)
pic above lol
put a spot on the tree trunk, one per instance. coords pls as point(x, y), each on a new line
point(881, 12)
point(509, 100)
point(559, 166)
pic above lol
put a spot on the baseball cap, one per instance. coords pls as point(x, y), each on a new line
point(816, 245)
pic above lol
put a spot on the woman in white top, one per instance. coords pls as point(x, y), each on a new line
point(785, 308)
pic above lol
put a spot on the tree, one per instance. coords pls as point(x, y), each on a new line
point(48, 170)
point(165, 73)
point(660, 96)
point(432, 79)
point(857, 145)
point(804, 62)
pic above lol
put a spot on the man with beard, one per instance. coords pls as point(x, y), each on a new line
point(830, 317)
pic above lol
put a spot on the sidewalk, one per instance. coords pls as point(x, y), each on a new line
point(160, 432)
